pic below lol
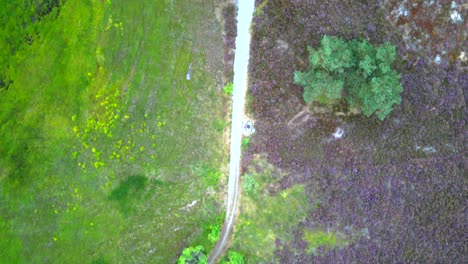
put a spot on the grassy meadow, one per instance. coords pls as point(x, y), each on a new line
point(108, 153)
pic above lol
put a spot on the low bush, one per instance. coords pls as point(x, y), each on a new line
point(234, 258)
point(193, 255)
point(215, 233)
point(250, 184)
point(209, 174)
point(228, 89)
point(245, 142)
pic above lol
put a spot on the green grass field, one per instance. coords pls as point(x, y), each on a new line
point(101, 134)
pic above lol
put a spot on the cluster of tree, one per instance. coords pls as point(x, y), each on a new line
point(355, 71)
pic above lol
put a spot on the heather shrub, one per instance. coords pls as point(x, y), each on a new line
point(355, 71)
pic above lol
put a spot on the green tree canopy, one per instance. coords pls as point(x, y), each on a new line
point(354, 70)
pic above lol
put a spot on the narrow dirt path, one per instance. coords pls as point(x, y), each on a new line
point(241, 61)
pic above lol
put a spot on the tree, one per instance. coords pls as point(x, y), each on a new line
point(355, 71)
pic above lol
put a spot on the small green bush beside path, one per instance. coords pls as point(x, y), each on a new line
point(228, 89)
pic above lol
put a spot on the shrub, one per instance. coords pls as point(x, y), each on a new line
point(209, 174)
point(235, 257)
point(250, 184)
point(355, 70)
point(193, 255)
point(220, 124)
point(245, 142)
point(215, 233)
point(228, 89)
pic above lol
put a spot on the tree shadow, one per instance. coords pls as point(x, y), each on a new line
point(127, 192)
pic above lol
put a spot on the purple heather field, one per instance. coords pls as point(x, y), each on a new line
point(401, 181)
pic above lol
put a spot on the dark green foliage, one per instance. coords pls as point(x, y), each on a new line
point(355, 70)
point(193, 255)
point(333, 56)
point(45, 7)
point(319, 86)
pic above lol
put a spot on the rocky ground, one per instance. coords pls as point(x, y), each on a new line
point(401, 181)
